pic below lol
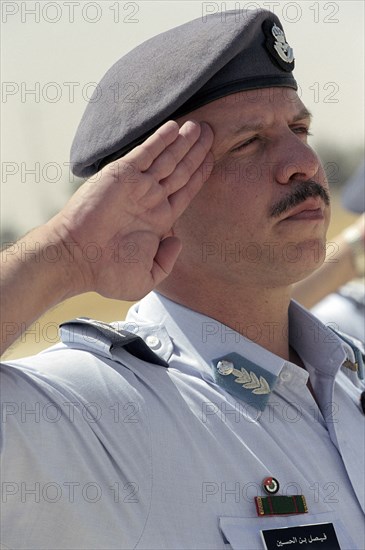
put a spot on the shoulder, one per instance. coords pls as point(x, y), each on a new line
point(94, 360)
point(66, 394)
point(62, 374)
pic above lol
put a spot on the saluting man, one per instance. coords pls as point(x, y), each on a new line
point(220, 413)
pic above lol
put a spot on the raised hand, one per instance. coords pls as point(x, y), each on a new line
point(114, 236)
point(124, 216)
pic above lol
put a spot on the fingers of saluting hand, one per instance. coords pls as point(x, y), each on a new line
point(162, 152)
point(189, 168)
point(182, 153)
point(184, 195)
point(146, 153)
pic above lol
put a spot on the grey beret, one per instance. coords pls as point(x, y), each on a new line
point(176, 72)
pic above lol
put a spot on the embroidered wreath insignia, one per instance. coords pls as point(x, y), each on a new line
point(250, 381)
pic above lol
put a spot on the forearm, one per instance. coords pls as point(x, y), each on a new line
point(36, 274)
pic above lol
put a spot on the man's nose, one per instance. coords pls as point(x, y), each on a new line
point(297, 161)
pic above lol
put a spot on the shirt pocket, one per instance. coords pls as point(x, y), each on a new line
point(244, 533)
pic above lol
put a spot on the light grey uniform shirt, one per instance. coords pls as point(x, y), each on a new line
point(103, 450)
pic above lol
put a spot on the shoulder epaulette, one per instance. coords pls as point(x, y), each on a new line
point(132, 343)
point(358, 349)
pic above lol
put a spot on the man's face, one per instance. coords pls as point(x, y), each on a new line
point(254, 220)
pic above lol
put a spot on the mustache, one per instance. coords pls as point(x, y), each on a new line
point(302, 191)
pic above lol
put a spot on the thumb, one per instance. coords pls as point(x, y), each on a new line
point(165, 258)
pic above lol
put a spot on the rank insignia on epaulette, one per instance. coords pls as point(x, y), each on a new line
point(244, 379)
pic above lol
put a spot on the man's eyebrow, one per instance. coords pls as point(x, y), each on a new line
point(259, 125)
point(303, 113)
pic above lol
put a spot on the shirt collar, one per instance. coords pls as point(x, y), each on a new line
point(202, 336)
point(200, 346)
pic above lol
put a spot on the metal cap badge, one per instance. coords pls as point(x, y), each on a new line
point(277, 45)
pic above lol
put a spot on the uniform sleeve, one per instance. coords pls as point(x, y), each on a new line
point(72, 427)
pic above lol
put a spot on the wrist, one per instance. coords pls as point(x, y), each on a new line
point(56, 261)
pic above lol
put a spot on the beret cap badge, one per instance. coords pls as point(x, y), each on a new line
point(277, 45)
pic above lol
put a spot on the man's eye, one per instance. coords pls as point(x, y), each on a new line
point(302, 130)
point(244, 144)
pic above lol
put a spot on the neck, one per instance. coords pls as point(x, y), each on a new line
point(260, 314)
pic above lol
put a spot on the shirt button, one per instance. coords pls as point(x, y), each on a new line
point(153, 342)
point(285, 376)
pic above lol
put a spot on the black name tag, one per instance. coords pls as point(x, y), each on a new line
point(317, 536)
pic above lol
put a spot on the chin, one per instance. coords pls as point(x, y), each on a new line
point(304, 258)
point(303, 274)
